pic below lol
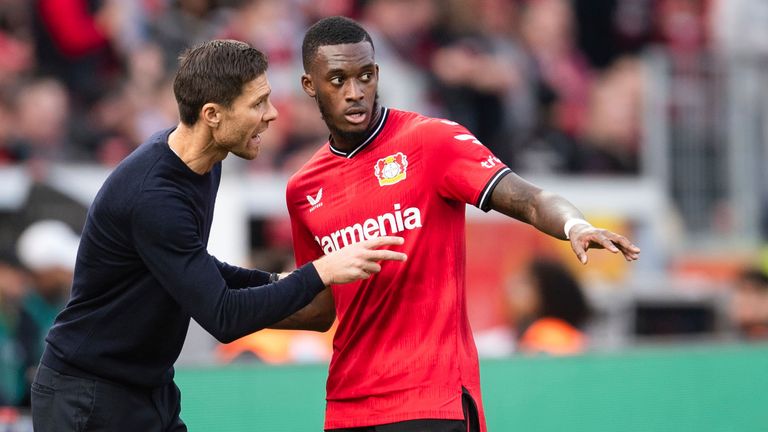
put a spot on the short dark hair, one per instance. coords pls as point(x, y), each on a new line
point(336, 30)
point(559, 292)
point(214, 71)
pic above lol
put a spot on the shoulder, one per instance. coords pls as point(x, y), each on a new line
point(138, 165)
point(432, 129)
point(127, 179)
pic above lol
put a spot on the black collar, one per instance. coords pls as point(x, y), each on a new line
point(374, 133)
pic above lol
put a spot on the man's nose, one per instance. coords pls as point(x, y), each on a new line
point(354, 91)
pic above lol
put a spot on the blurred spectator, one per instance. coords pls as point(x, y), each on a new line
point(15, 49)
point(401, 36)
point(511, 71)
point(548, 28)
point(12, 382)
point(40, 125)
point(485, 79)
point(314, 10)
point(612, 132)
point(264, 24)
point(682, 27)
point(184, 24)
point(749, 306)
point(549, 310)
point(7, 153)
point(73, 43)
point(610, 29)
point(548, 150)
point(48, 250)
point(596, 36)
point(305, 129)
point(633, 25)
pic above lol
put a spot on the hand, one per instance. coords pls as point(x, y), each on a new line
point(357, 261)
point(585, 236)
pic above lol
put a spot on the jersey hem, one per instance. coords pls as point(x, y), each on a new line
point(352, 422)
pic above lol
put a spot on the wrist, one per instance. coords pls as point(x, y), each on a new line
point(322, 271)
point(572, 222)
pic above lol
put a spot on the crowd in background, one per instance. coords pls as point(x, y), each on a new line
point(551, 86)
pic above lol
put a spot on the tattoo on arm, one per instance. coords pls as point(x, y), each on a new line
point(517, 198)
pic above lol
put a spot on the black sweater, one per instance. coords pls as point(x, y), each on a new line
point(143, 270)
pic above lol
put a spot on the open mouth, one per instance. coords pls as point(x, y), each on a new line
point(356, 116)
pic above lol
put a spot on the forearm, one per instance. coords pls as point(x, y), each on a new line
point(546, 211)
point(317, 316)
point(238, 277)
point(229, 314)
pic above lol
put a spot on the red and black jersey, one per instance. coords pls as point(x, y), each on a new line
point(403, 349)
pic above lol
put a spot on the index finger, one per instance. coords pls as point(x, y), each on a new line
point(383, 241)
point(629, 246)
point(624, 244)
point(385, 255)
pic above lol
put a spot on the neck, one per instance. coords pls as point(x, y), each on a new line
point(347, 142)
point(195, 147)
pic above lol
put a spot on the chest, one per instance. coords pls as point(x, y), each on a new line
point(385, 191)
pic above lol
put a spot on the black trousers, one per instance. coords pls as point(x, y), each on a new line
point(64, 403)
point(471, 422)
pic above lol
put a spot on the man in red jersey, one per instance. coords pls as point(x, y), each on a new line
point(403, 354)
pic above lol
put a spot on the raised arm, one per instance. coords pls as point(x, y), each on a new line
point(553, 214)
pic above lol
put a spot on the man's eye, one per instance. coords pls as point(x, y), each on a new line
point(337, 80)
point(366, 77)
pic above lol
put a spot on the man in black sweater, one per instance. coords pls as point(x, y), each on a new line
point(143, 270)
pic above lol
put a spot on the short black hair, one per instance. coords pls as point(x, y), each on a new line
point(336, 30)
point(559, 292)
point(214, 71)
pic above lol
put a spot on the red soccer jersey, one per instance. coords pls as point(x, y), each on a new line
point(403, 349)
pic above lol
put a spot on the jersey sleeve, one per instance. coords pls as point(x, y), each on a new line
point(238, 277)
point(464, 169)
point(165, 234)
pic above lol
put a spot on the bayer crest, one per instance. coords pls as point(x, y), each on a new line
point(391, 169)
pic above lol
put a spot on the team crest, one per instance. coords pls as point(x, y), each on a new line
point(391, 169)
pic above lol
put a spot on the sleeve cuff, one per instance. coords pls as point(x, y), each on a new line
point(259, 278)
point(311, 278)
point(484, 202)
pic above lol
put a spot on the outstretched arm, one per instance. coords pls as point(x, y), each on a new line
point(551, 213)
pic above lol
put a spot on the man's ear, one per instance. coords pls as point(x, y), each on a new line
point(210, 113)
point(308, 85)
